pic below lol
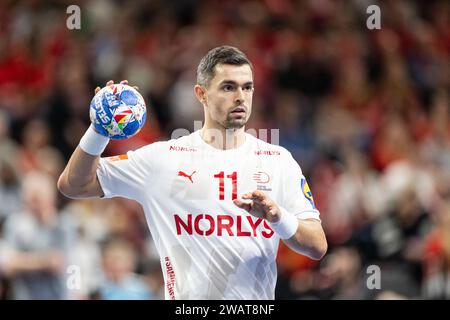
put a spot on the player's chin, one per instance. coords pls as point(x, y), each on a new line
point(236, 122)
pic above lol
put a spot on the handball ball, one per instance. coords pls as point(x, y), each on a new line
point(118, 111)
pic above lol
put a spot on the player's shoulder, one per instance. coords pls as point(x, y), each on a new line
point(263, 148)
point(187, 143)
point(274, 154)
point(183, 143)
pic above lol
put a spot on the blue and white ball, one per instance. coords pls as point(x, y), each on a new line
point(118, 111)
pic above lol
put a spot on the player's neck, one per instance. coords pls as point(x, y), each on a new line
point(223, 139)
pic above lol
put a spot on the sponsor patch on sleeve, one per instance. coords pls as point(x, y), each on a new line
point(117, 158)
point(307, 192)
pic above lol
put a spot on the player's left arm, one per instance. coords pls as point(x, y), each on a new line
point(305, 236)
point(309, 239)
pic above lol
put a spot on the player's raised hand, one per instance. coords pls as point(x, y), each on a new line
point(260, 206)
point(111, 82)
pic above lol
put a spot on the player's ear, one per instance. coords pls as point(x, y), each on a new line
point(200, 93)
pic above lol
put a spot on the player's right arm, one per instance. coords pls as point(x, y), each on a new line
point(87, 175)
point(79, 178)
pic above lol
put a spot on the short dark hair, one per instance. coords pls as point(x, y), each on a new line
point(219, 55)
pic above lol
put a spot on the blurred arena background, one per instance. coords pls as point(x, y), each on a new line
point(364, 112)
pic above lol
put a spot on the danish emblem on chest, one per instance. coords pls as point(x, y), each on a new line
point(263, 180)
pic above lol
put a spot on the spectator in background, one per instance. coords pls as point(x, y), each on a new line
point(436, 259)
point(36, 243)
point(341, 276)
point(120, 281)
point(9, 175)
point(36, 152)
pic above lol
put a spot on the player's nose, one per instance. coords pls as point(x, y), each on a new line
point(239, 97)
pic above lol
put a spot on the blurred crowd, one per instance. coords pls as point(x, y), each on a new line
point(365, 113)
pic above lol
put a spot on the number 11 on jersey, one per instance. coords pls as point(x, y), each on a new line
point(221, 177)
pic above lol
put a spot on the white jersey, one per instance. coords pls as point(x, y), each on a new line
point(209, 247)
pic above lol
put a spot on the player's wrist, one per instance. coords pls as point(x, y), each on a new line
point(93, 142)
point(286, 226)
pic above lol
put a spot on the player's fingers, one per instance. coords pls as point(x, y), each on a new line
point(240, 203)
point(124, 82)
point(259, 195)
point(266, 203)
point(110, 82)
point(97, 90)
point(243, 205)
point(247, 195)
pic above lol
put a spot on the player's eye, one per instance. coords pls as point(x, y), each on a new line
point(227, 87)
point(248, 88)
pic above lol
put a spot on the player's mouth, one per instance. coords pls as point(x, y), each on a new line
point(240, 111)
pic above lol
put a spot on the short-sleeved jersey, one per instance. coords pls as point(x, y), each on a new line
point(210, 248)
